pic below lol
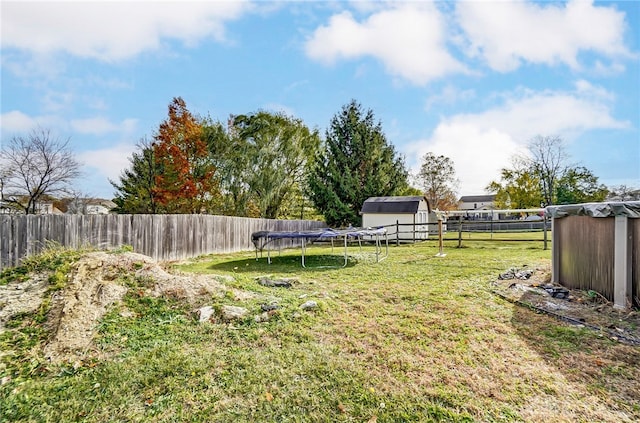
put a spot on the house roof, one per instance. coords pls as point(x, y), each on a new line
point(400, 204)
point(478, 198)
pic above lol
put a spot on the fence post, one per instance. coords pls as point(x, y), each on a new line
point(623, 285)
point(491, 224)
point(460, 232)
point(440, 243)
point(544, 223)
point(397, 232)
point(414, 229)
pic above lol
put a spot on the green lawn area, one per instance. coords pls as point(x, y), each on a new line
point(414, 338)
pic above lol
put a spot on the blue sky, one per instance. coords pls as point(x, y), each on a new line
point(472, 80)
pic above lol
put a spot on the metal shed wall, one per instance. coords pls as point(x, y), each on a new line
point(596, 246)
point(585, 253)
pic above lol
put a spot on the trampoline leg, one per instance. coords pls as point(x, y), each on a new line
point(345, 252)
point(302, 255)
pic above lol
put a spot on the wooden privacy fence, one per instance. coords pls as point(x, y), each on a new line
point(163, 237)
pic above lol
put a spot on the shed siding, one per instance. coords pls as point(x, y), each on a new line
point(371, 220)
point(585, 248)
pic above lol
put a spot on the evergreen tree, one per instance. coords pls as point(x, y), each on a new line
point(354, 163)
point(134, 191)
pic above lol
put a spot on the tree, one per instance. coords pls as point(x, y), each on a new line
point(230, 159)
point(545, 178)
point(579, 185)
point(437, 177)
point(188, 181)
point(35, 166)
point(354, 163)
point(272, 150)
point(135, 190)
point(518, 188)
point(548, 163)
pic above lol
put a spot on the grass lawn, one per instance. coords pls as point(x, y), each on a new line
point(414, 338)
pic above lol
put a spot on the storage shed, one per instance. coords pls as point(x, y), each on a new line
point(409, 215)
point(596, 246)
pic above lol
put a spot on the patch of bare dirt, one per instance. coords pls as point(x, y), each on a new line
point(22, 297)
point(586, 308)
point(95, 284)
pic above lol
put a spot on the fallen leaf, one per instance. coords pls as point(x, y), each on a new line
point(373, 419)
point(342, 408)
point(268, 396)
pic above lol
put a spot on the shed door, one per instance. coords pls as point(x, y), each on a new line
point(423, 228)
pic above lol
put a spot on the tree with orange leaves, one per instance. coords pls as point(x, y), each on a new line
point(187, 182)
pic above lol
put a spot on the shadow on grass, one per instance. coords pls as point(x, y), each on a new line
point(286, 264)
point(586, 357)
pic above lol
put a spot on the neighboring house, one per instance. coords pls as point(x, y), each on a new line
point(7, 208)
point(80, 205)
point(42, 207)
point(477, 202)
point(412, 211)
point(99, 206)
point(627, 196)
point(47, 207)
point(52, 206)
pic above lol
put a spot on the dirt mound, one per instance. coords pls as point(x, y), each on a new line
point(95, 284)
point(532, 287)
point(22, 297)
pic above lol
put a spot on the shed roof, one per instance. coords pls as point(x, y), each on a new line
point(478, 198)
point(397, 205)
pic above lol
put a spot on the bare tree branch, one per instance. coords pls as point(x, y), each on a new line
point(36, 166)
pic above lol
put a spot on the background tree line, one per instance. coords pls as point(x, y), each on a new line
point(271, 165)
point(545, 177)
point(262, 164)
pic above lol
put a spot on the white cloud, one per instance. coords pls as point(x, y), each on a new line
point(16, 122)
point(481, 144)
point(449, 95)
point(111, 31)
point(508, 32)
point(108, 162)
point(102, 125)
point(587, 89)
point(410, 39)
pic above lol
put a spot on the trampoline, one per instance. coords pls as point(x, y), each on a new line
point(262, 239)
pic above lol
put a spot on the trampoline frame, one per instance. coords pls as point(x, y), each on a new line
point(262, 239)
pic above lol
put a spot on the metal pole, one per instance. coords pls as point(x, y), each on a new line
point(440, 243)
point(460, 232)
point(491, 224)
point(397, 232)
point(544, 222)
